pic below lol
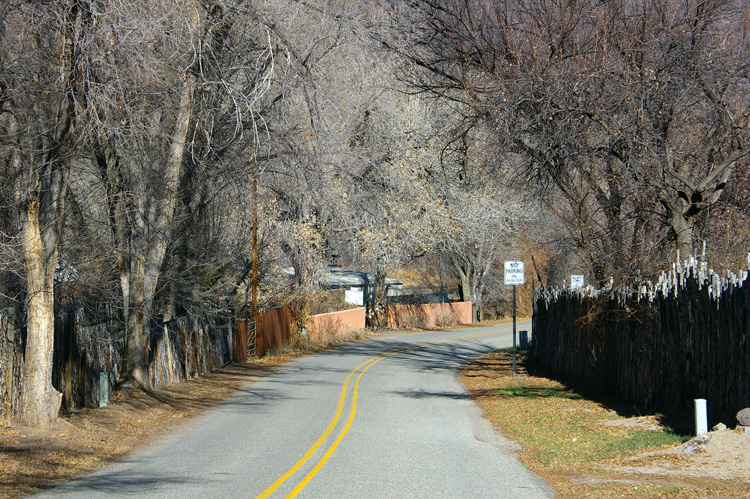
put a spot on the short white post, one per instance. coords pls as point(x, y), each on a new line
point(701, 416)
point(103, 388)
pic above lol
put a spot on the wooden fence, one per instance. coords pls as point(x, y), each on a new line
point(274, 328)
point(658, 347)
point(240, 341)
point(180, 349)
point(11, 355)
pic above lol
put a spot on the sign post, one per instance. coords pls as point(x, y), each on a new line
point(514, 275)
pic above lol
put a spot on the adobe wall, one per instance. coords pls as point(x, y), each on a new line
point(327, 326)
point(429, 315)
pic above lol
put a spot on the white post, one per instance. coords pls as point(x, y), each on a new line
point(701, 416)
point(103, 388)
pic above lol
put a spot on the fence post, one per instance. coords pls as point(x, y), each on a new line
point(11, 335)
point(103, 388)
point(69, 348)
point(523, 339)
point(701, 416)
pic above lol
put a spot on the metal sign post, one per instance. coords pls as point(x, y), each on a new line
point(514, 275)
point(514, 330)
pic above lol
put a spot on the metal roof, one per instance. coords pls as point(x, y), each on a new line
point(336, 278)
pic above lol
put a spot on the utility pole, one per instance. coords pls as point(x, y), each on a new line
point(254, 303)
point(254, 267)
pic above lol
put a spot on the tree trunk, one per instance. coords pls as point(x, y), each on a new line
point(467, 288)
point(40, 402)
point(683, 230)
point(379, 305)
point(145, 260)
point(681, 225)
point(464, 289)
point(137, 303)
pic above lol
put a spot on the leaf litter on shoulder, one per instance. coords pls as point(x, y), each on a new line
point(78, 443)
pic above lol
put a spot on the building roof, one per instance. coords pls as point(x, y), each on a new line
point(336, 277)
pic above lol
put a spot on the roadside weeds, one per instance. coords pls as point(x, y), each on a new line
point(584, 448)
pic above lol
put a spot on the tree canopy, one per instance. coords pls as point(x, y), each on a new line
point(145, 143)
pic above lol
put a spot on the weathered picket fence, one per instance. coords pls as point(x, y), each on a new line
point(182, 348)
point(659, 346)
point(10, 360)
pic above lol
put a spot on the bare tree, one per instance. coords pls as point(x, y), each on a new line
point(631, 113)
point(178, 94)
point(40, 80)
point(193, 104)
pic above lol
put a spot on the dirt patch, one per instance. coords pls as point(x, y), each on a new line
point(725, 455)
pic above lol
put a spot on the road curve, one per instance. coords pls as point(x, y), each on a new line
point(374, 419)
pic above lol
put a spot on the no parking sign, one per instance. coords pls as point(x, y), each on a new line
point(514, 277)
point(514, 274)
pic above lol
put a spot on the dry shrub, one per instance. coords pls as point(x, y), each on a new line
point(412, 320)
point(444, 319)
point(321, 302)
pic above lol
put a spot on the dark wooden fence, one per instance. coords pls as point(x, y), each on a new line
point(11, 349)
point(658, 347)
point(182, 348)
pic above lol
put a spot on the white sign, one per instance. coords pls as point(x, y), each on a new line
point(576, 281)
point(354, 296)
point(514, 274)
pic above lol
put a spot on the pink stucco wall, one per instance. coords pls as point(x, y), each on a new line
point(429, 315)
point(323, 327)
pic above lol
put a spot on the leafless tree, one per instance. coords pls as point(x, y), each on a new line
point(40, 83)
point(180, 107)
point(630, 116)
point(194, 103)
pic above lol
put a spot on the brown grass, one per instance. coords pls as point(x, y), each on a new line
point(586, 449)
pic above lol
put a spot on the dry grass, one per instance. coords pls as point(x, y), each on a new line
point(586, 449)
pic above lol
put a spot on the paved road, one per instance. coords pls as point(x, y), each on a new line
point(376, 419)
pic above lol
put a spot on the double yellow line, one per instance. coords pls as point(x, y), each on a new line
point(364, 366)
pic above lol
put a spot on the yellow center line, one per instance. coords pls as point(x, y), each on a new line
point(365, 366)
point(338, 440)
point(298, 465)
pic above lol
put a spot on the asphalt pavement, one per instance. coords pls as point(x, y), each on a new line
point(384, 418)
